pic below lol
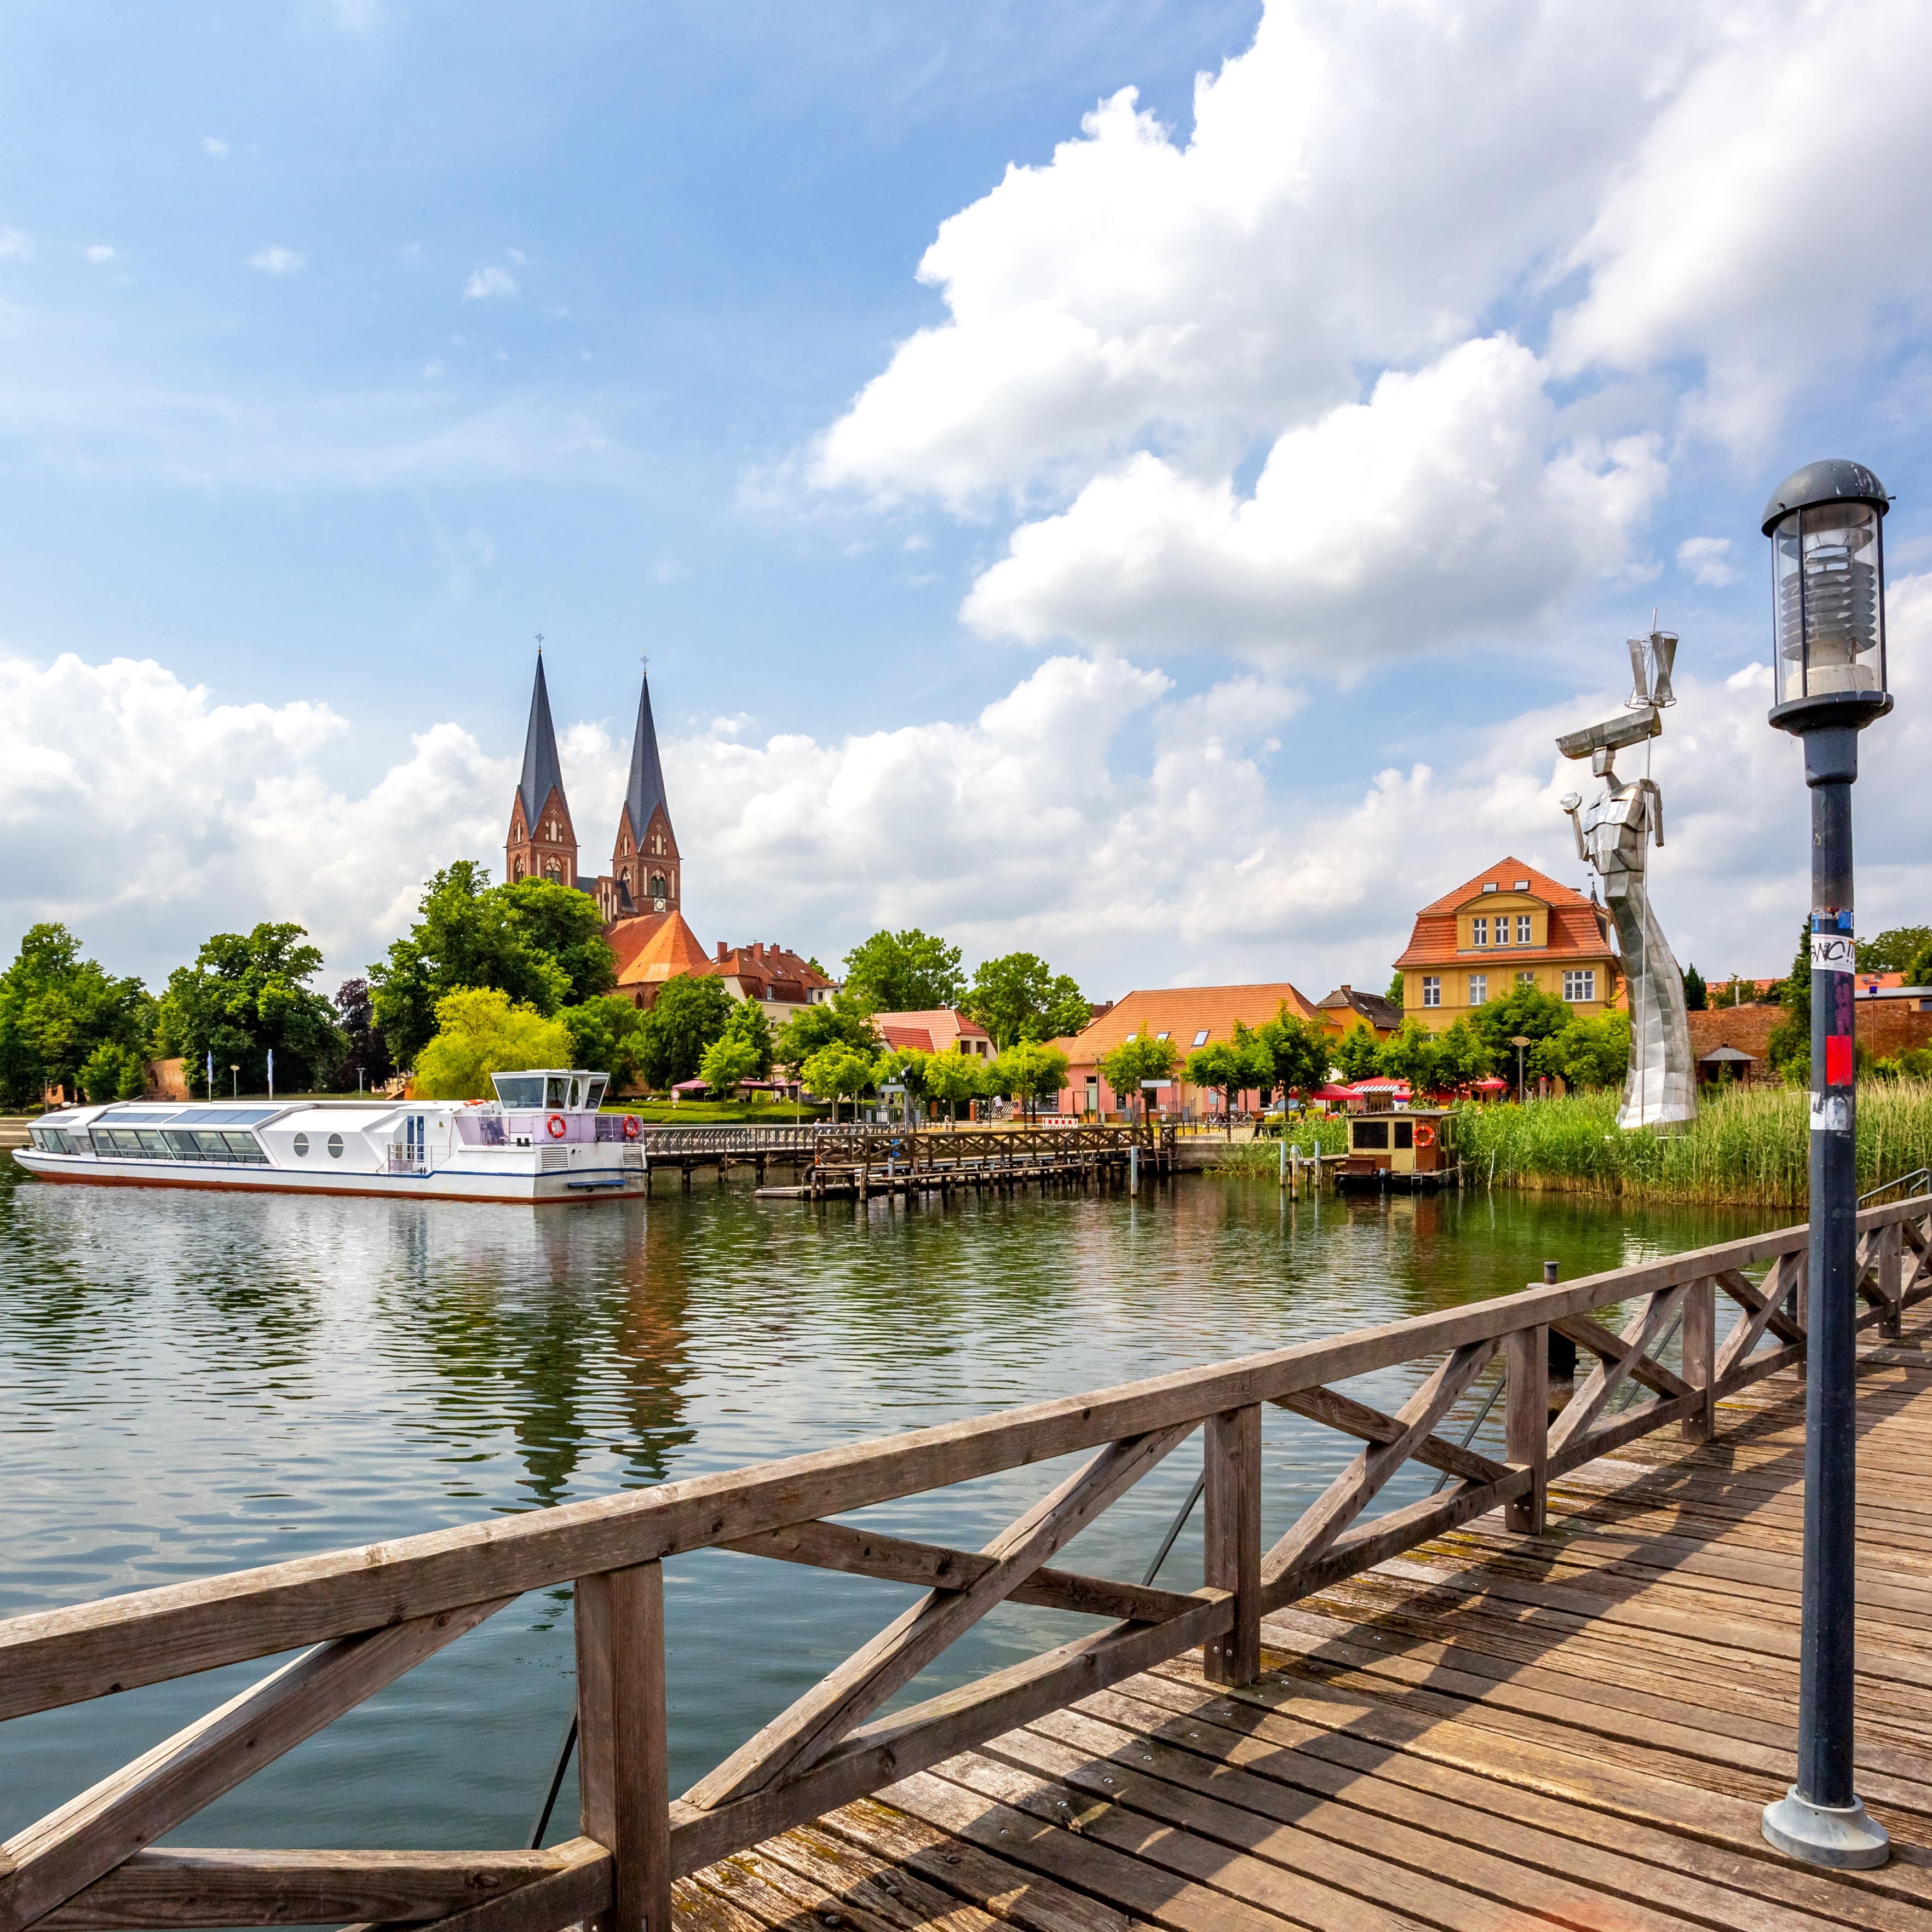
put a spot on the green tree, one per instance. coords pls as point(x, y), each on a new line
point(727, 1059)
point(246, 995)
point(1918, 969)
point(1141, 1057)
point(57, 1009)
point(835, 1070)
point(564, 926)
point(911, 971)
point(1294, 1051)
point(951, 1078)
point(748, 1023)
point(365, 1060)
point(844, 1020)
point(1397, 993)
point(1587, 1053)
point(1019, 997)
point(1695, 994)
point(1226, 1064)
point(113, 1072)
point(1410, 1053)
point(1357, 1053)
point(1895, 951)
point(1788, 1048)
point(903, 1067)
point(1523, 1010)
point(606, 1035)
point(1028, 1071)
point(688, 1015)
point(481, 1031)
point(1462, 1056)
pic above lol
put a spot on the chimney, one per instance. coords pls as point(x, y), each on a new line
point(720, 949)
point(1346, 989)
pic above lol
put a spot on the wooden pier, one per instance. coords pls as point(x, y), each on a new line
point(1556, 1690)
point(942, 1161)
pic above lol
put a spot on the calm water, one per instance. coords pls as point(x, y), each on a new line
point(196, 1384)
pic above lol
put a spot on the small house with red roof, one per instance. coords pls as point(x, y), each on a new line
point(935, 1029)
point(1509, 925)
point(783, 982)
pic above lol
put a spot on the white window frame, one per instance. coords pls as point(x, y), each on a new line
point(1522, 930)
point(1479, 930)
point(1201, 1038)
point(1479, 988)
point(1431, 989)
point(1526, 979)
point(1579, 984)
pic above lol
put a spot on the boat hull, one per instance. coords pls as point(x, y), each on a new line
point(556, 1187)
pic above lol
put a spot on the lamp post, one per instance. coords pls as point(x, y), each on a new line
point(1519, 1041)
point(1828, 555)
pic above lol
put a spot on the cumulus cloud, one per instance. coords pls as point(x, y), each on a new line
point(488, 284)
point(1444, 505)
point(277, 260)
point(99, 253)
point(1707, 560)
point(215, 149)
point(15, 244)
point(1629, 211)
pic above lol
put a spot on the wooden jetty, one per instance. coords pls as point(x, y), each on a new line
point(1556, 1691)
point(944, 1161)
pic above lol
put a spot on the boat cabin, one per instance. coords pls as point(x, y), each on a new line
point(1384, 1146)
point(551, 1089)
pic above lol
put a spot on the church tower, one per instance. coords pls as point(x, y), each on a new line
point(644, 861)
point(542, 843)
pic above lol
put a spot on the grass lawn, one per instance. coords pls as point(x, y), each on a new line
point(703, 1113)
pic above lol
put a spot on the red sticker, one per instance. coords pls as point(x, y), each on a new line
point(1838, 1060)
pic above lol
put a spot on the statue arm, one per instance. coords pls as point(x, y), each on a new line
point(1571, 802)
point(1656, 809)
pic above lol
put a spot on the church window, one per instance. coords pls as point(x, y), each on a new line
point(657, 886)
point(551, 869)
point(519, 868)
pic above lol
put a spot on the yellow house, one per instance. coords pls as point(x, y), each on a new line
point(1507, 926)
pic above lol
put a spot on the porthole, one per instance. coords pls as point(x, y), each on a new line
point(302, 1146)
point(335, 1147)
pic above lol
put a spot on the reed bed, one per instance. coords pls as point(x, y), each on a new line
point(1749, 1145)
point(1262, 1159)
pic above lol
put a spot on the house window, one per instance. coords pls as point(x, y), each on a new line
point(1479, 988)
point(1522, 928)
point(1526, 979)
point(1479, 932)
point(1160, 1036)
point(1579, 984)
point(1200, 1038)
point(1431, 989)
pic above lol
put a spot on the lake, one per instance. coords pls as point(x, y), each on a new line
point(198, 1383)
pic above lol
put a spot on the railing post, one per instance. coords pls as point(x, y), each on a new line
point(1891, 1279)
point(1700, 1358)
point(1232, 1456)
point(1526, 1423)
point(623, 1768)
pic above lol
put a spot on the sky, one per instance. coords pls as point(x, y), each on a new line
point(1143, 483)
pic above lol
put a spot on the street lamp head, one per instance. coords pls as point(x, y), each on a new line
point(1825, 523)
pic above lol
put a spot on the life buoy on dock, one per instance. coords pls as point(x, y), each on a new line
point(1425, 1135)
point(632, 1126)
point(558, 1127)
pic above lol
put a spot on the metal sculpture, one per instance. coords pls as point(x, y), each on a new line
point(1614, 836)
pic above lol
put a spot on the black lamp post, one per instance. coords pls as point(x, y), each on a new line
point(1828, 572)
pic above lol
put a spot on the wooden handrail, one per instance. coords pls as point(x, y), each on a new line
point(376, 1611)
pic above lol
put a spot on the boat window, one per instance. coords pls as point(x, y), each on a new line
point(1405, 1133)
point(1371, 1133)
point(302, 1146)
point(519, 1090)
point(52, 1140)
point(153, 1145)
point(211, 1146)
point(557, 1089)
point(183, 1143)
point(244, 1147)
point(576, 1095)
point(594, 1098)
point(335, 1147)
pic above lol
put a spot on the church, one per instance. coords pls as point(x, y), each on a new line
point(640, 898)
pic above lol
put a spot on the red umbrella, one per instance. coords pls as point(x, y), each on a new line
point(1332, 1092)
point(1492, 1085)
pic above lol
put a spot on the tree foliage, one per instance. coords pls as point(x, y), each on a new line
point(911, 971)
point(835, 1070)
point(1019, 997)
point(1587, 1053)
point(729, 1059)
point(844, 1020)
point(1397, 992)
point(112, 1071)
point(1142, 1058)
point(1028, 1071)
point(1524, 1009)
point(1695, 994)
point(688, 1015)
point(481, 1031)
point(1226, 1064)
point(1895, 951)
point(1357, 1053)
point(1788, 1048)
point(606, 1035)
point(246, 994)
point(1294, 1053)
point(749, 1025)
point(951, 1078)
point(540, 942)
point(58, 1010)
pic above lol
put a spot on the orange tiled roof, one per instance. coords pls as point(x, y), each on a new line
point(917, 1039)
point(1573, 930)
point(1182, 1012)
point(764, 964)
point(653, 947)
point(946, 1027)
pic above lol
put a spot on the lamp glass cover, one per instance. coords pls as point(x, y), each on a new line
point(1829, 606)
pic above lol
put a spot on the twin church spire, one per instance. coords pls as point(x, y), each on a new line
point(645, 868)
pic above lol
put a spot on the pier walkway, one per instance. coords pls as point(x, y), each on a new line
point(1554, 1689)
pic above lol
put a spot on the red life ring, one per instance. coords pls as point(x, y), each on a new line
point(559, 1126)
point(1425, 1135)
point(633, 1126)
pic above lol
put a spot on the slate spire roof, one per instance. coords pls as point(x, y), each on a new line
point(645, 792)
point(542, 773)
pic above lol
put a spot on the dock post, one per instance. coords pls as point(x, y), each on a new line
point(1700, 1358)
point(1526, 1423)
point(1282, 1179)
point(1890, 1274)
point(1134, 1170)
point(1232, 1539)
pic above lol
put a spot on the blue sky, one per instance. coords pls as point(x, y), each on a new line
point(1241, 466)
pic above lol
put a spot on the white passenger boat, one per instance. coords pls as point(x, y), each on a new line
point(542, 1139)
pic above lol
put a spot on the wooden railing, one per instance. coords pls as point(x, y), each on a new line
point(372, 1613)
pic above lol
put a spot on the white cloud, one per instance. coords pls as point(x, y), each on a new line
point(100, 254)
point(1445, 505)
point(15, 244)
point(518, 256)
point(1705, 558)
point(214, 148)
point(487, 283)
point(276, 260)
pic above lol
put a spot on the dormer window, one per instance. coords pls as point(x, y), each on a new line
point(1522, 928)
point(1479, 932)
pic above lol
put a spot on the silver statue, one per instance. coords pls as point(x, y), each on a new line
point(1614, 836)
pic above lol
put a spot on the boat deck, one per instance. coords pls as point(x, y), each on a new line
point(1492, 1731)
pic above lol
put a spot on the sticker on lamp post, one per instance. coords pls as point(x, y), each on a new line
point(1833, 952)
